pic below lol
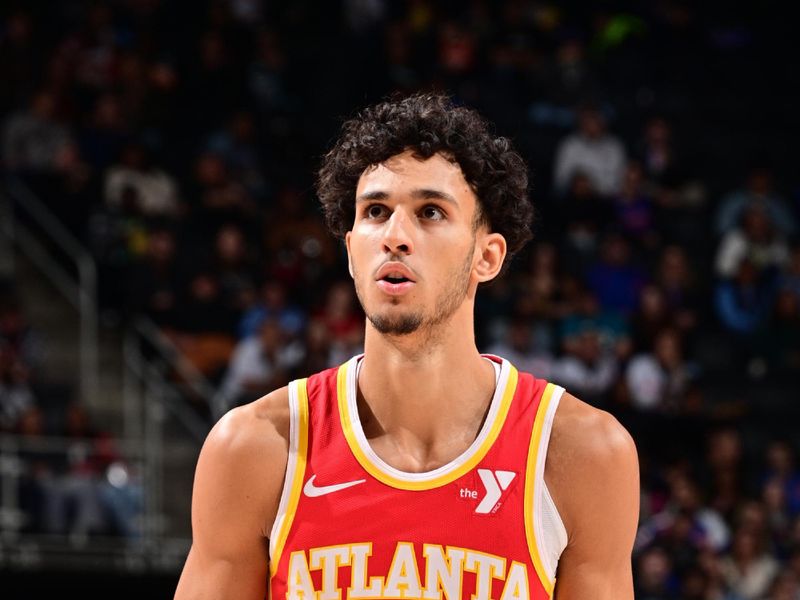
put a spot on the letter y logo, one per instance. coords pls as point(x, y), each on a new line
point(495, 483)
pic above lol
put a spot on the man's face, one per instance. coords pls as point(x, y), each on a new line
point(412, 248)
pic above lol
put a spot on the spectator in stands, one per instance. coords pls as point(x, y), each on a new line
point(297, 237)
point(16, 395)
point(90, 51)
point(215, 79)
point(655, 580)
point(539, 297)
point(678, 194)
point(677, 282)
point(586, 367)
point(202, 307)
point(725, 471)
point(659, 380)
point(77, 509)
point(634, 213)
point(101, 139)
point(457, 51)
point(23, 340)
point(217, 198)
point(155, 285)
point(400, 71)
point(37, 491)
point(565, 80)
point(751, 516)
point(686, 519)
point(781, 467)
point(319, 353)
point(658, 156)
point(757, 240)
point(259, 364)
point(233, 264)
point(494, 307)
point(785, 587)
point(583, 219)
point(122, 498)
point(517, 347)
point(592, 151)
point(267, 79)
point(204, 326)
point(748, 570)
point(757, 193)
point(695, 584)
point(98, 469)
point(272, 303)
point(615, 278)
point(585, 313)
point(236, 146)
point(711, 566)
point(36, 140)
point(155, 191)
point(344, 321)
point(117, 239)
point(743, 301)
point(651, 317)
point(773, 498)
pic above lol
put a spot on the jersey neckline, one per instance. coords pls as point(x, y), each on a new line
point(346, 388)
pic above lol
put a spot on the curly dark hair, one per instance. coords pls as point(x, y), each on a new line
point(429, 124)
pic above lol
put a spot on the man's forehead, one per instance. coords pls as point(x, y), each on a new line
point(407, 169)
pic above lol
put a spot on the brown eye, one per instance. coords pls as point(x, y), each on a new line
point(375, 211)
point(434, 213)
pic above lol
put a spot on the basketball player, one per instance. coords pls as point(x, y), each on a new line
point(421, 469)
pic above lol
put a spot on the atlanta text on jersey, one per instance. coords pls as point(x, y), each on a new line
point(441, 574)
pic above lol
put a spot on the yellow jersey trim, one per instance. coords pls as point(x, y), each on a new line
point(381, 475)
point(530, 480)
point(297, 476)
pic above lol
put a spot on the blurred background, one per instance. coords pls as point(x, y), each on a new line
point(163, 258)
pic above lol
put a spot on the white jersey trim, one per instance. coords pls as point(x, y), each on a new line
point(361, 439)
point(550, 533)
point(291, 466)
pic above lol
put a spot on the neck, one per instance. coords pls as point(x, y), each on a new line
point(423, 396)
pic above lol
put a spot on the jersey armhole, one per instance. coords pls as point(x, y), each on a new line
point(548, 531)
point(554, 534)
point(295, 470)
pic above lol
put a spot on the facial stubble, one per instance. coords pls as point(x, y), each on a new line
point(446, 304)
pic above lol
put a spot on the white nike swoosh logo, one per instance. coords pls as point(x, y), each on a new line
point(312, 491)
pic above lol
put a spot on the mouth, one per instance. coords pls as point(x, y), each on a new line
point(395, 283)
point(398, 288)
point(395, 279)
point(395, 273)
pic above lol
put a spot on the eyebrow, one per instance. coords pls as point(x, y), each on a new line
point(419, 194)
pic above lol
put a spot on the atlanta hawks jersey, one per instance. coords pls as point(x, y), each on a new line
point(351, 526)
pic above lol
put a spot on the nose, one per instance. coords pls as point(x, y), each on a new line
point(397, 236)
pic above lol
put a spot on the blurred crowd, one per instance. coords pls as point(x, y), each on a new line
point(71, 478)
point(179, 143)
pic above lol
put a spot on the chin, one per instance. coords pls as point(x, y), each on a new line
point(396, 324)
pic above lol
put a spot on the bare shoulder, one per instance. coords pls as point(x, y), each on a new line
point(237, 488)
point(243, 460)
point(262, 423)
point(592, 473)
point(582, 432)
point(591, 456)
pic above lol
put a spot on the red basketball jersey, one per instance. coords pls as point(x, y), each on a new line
point(351, 526)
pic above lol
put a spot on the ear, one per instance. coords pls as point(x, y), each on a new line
point(349, 259)
point(492, 249)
